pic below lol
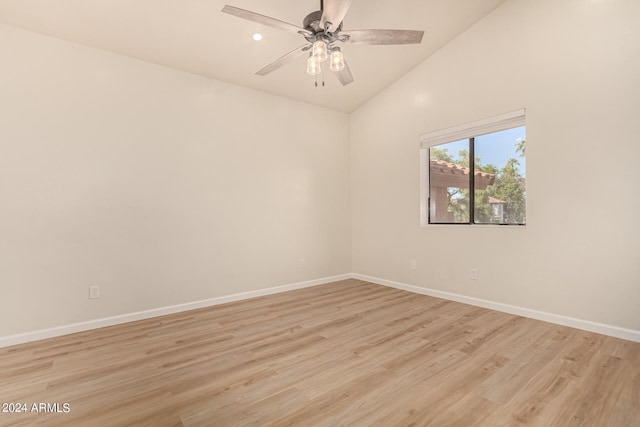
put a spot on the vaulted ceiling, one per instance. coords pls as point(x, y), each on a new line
point(195, 36)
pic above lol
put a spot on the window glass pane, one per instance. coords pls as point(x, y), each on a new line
point(500, 171)
point(449, 182)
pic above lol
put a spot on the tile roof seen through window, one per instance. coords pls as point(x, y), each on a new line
point(447, 174)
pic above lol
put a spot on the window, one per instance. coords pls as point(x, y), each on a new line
point(475, 174)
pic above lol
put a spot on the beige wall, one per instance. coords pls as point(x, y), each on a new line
point(159, 186)
point(167, 188)
point(575, 66)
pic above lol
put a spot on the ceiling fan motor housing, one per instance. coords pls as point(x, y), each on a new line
point(311, 23)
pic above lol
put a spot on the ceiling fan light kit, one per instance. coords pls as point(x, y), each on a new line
point(320, 53)
point(322, 30)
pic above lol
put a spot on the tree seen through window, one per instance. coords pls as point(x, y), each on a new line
point(499, 176)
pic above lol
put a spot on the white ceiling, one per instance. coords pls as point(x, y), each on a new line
point(194, 36)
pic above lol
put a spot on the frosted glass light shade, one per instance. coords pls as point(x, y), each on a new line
point(337, 60)
point(319, 51)
point(313, 67)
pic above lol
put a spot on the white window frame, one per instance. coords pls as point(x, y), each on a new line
point(494, 124)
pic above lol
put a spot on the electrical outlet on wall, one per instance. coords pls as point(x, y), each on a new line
point(302, 263)
point(414, 265)
point(94, 292)
point(474, 274)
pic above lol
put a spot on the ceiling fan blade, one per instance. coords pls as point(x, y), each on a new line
point(284, 60)
point(381, 37)
point(345, 75)
point(262, 19)
point(334, 12)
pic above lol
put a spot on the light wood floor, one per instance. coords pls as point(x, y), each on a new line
point(345, 354)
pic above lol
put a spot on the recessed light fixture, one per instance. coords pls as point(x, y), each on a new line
point(257, 37)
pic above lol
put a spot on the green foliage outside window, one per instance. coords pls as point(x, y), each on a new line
point(508, 188)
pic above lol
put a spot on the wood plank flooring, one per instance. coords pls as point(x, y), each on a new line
point(349, 353)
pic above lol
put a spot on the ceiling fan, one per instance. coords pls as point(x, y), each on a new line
point(323, 32)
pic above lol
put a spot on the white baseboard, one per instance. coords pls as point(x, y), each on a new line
point(613, 331)
point(141, 315)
